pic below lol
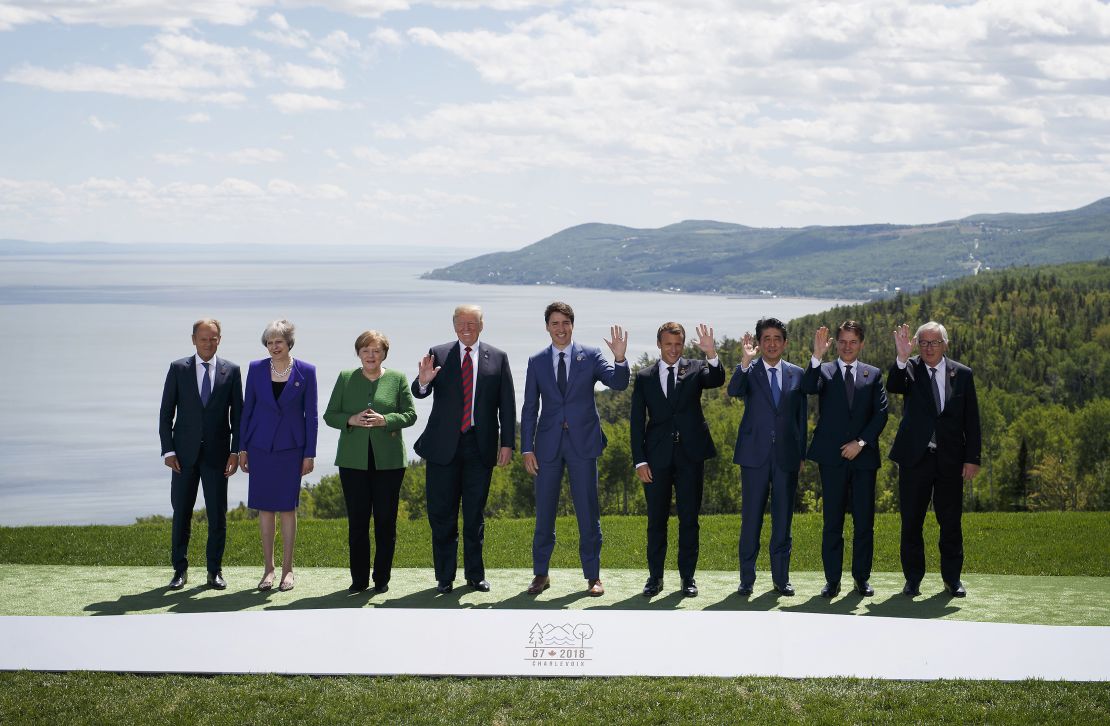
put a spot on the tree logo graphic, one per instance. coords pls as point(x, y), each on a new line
point(559, 645)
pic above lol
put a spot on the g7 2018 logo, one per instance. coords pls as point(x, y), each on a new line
point(559, 646)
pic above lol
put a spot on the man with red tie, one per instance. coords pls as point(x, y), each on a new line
point(472, 427)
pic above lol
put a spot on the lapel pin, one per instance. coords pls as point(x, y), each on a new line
point(580, 357)
point(296, 383)
point(866, 373)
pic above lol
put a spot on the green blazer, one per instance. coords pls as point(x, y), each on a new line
point(389, 396)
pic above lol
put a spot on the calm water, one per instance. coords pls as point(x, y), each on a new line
point(88, 339)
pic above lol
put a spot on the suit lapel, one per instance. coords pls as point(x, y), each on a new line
point(191, 374)
point(949, 382)
point(762, 382)
point(925, 384)
point(288, 393)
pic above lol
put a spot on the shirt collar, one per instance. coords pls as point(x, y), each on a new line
point(462, 348)
point(198, 360)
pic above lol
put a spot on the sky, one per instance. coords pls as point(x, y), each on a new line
point(490, 124)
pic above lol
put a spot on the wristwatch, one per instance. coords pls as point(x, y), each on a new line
point(861, 443)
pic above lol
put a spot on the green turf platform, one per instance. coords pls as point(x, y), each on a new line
point(71, 590)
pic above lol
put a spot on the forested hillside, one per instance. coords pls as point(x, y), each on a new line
point(1037, 339)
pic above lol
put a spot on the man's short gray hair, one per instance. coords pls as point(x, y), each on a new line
point(932, 327)
point(467, 310)
point(280, 328)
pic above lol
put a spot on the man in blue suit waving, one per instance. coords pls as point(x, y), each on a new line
point(560, 429)
point(769, 448)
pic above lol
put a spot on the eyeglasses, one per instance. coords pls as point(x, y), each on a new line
point(929, 343)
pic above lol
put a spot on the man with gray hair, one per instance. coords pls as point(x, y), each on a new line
point(937, 449)
point(198, 424)
point(472, 426)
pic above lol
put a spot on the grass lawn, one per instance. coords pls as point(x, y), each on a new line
point(1059, 563)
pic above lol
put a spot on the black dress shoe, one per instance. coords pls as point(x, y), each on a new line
point(689, 588)
point(179, 579)
point(911, 589)
point(360, 587)
point(383, 587)
point(786, 590)
point(830, 590)
point(744, 590)
point(479, 585)
point(216, 580)
point(653, 586)
point(444, 587)
point(955, 589)
point(864, 588)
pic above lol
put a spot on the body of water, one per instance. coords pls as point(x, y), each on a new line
point(88, 340)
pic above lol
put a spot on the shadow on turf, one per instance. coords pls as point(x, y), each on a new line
point(179, 601)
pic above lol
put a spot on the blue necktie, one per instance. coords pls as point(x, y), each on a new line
point(205, 386)
point(776, 394)
point(561, 379)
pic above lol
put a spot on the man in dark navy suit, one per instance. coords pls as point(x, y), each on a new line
point(472, 427)
point(769, 449)
point(852, 405)
point(198, 424)
point(670, 444)
point(938, 448)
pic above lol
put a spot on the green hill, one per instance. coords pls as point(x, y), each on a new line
point(865, 261)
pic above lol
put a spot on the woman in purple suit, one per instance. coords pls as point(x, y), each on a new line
point(278, 435)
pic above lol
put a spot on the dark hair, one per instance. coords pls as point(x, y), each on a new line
point(558, 307)
point(672, 328)
point(207, 321)
point(853, 326)
point(765, 323)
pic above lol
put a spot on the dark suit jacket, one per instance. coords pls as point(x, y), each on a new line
point(494, 404)
point(767, 433)
point(656, 418)
point(837, 424)
point(541, 429)
point(959, 440)
point(290, 422)
point(184, 423)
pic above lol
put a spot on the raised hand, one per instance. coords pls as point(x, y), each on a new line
point(619, 342)
point(705, 341)
point(427, 370)
point(903, 343)
point(749, 349)
point(821, 342)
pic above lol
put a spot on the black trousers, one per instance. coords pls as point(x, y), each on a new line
point(917, 485)
point(183, 497)
point(371, 492)
point(464, 481)
point(685, 477)
point(845, 488)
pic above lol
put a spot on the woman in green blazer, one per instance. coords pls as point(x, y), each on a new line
point(370, 405)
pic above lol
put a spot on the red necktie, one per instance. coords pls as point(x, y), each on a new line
point(468, 390)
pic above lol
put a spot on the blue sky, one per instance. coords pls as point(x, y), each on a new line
point(489, 124)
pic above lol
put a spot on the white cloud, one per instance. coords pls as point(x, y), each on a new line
point(256, 156)
point(181, 68)
point(310, 77)
point(386, 36)
point(301, 102)
point(197, 118)
point(284, 34)
point(163, 14)
point(99, 125)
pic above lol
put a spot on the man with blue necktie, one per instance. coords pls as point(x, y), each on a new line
point(198, 425)
point(560, 430)
point(770, 447)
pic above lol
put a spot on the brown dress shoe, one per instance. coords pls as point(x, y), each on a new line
point(539, 584)
point(596, 589)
